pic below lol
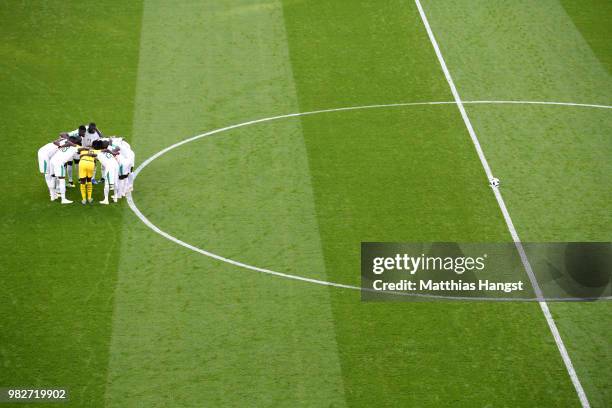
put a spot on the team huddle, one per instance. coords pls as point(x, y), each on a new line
point(79, 151)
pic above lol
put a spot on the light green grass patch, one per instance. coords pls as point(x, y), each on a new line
point(188, 330)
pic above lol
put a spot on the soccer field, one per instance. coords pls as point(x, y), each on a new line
point(229, 276)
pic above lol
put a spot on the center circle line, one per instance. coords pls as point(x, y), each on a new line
point(243, 265)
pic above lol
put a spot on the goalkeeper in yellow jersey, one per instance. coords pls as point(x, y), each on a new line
point(87, 164)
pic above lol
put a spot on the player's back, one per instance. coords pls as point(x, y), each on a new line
point(106, 158)
point(64, 154)
point(51, 147)
point(48, 148)
point(87, 155)
point(117, 141)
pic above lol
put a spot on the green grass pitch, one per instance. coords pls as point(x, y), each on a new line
point(93, 300)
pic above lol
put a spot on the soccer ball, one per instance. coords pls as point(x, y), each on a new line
point(494, 182)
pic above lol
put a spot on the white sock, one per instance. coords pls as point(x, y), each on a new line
point(62, 188)
point(69, 168)
point(50, 183)
point(131, 179)
point(106, 190)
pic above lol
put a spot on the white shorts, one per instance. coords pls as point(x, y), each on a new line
point(44, 157)
point(124, 164)
point(129, 155)
point(110, 175)
point(58, 169)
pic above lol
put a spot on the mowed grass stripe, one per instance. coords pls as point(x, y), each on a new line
point(518, 51)
point(552, 161)
point(188, 330)
point(407, 175)
point(59, 69)
point(591, 17)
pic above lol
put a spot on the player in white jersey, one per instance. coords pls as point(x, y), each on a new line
point(117, 141)
point(79, 134)
point(110, 168)
point(124, 171)
point(58, 160)
point(93, 133)
point(88, 134)
point(126, 160)
point(44, 157)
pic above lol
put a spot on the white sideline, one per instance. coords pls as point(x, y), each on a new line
point(502, 205)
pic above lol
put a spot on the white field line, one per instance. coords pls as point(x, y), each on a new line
point(584, 105)
point(502, 205)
